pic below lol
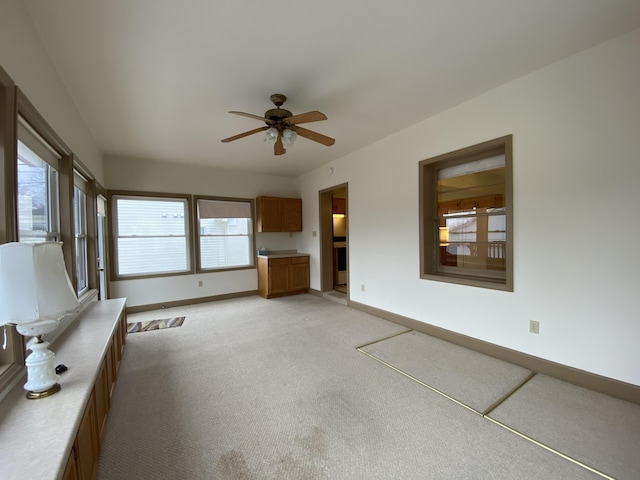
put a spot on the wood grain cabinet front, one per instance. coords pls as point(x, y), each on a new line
point(277, 214)
point(83, 458)
point(282, 276)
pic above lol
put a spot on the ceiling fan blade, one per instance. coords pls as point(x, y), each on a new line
point(251, 115)
point(314, 116)
point(245, 134)
point(315, 136)
point(278, 147)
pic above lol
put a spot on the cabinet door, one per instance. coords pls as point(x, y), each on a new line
point(299, 273)
point(278, 275)
point(101, 393)
point(87, 442)
point(111, 369)
point(269, 214)
point(339, 205)
point(292, 215)
point(71, 471)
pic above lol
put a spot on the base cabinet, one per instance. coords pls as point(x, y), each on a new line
point(282, 276)
point(83, 458)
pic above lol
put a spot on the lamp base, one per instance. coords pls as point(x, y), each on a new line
point(42, 380)
point(36, 395)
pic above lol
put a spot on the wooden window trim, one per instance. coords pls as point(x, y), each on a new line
point(196, 231)
point(428, 211)
point(112, 233)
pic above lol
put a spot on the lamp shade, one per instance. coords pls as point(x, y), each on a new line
point(288, 137)
point(271, 135)
point(34, 284)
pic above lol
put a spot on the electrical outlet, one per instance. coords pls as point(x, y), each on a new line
point(534, 326)
point(200, 283)
point(362, 287)
point(314, 233)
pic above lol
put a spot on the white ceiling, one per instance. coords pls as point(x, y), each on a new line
point(155, 78)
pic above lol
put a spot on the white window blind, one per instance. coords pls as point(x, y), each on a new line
point(151, 235)
point(225, 234)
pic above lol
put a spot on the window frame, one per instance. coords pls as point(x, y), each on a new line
point(14, 105)
point(81, 233)
point(112, 197)
point(52, 233)
point(198, 236)
point(429, 242)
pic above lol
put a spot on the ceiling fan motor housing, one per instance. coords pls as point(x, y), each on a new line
point(277, 114)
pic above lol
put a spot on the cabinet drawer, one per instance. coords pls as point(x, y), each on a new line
point(278, 261)
point(298, 260)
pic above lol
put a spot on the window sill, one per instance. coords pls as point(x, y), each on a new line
point(469, 281)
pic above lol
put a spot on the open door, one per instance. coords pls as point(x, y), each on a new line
point(334, 241)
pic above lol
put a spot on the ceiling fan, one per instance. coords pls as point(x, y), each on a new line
point(283, 127)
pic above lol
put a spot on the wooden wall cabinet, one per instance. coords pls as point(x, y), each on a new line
point(278, 214)
point(339, 205)
point(282, 276)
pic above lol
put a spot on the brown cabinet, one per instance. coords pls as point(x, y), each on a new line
point(83, 459)
point(282, 276)
point(278, 214)
point(70, 470)
point(86, 445)
point(339, 205)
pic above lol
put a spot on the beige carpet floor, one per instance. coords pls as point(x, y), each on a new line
point(252, 389)
point(474, 379)
point(596, 429)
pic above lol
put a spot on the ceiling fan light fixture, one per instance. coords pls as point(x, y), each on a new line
point(288, 137)
point(270, 136)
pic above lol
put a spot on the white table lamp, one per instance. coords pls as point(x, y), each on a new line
point(35, 294)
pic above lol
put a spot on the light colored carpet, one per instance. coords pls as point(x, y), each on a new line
point(253, 389)
point(474, 379)
point(595, 429)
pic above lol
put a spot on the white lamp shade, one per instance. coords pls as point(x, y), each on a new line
point(271, 135)
point(34, 284)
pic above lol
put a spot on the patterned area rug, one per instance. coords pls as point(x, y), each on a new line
point(154, 324)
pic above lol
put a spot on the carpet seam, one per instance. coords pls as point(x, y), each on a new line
point(509, 394)
point(433, 389)
point(383, 339)
point(485, 415)
point(548, 448)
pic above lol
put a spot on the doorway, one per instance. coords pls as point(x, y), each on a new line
point(334, 240)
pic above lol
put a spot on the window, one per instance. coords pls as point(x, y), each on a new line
point(466, 215)
point(151, 235)
point(38, 211)
point(37, 200)
point(80, 230)
point(225, 233)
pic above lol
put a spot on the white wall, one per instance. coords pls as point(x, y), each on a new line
point(25, 59)
point(151, 176)
point(576, 134)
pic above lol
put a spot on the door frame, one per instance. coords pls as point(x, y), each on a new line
point(326, 235)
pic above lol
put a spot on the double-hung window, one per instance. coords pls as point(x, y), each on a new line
point(80, 230)
point(466, 216)
point(38, 210)
point(151, 235)
point(225, 233)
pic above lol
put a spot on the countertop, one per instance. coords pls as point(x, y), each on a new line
point(282, 254)
point(37, 435)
